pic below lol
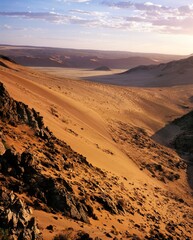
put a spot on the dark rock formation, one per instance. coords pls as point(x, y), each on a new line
point(56, 193)
point(16, 218)
point(107, 203)
point(14, 113)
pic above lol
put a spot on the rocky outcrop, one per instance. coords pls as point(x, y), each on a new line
point(23, 169)
point(183, 142)
point(16, 218)
point(14, 113)
point(56, 193)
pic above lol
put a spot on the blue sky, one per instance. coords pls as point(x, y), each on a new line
point(140, 26)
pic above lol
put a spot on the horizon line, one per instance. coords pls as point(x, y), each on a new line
point(90, 49)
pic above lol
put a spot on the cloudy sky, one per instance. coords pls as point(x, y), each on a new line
point(140, 26)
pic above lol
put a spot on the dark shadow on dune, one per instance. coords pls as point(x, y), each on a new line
point(179, 136)
point(141, 80)
point(7, 58)
point(2, 64)
point(111, 79)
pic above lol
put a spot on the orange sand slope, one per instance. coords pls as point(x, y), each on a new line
point(83, 113)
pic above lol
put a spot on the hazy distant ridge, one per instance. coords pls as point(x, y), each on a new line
point(62, 57)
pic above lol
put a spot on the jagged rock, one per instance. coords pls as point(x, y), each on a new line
point(16, 218)
point(57, 193)
point(59, 199)
point(27, 160)
point(107, 203)
point(10, 163)
point(16, 113)
point(17, 165)
point(83, 236)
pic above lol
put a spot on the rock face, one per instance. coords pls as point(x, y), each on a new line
point(16, 218)
point(183, 142)
point(56, 193)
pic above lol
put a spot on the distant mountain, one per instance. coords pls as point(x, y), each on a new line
point(102, 68)
point(166, 74)
point(74, 58)
point(80, 62)
point(179, 66)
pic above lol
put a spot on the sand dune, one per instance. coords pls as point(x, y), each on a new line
point(175, 73)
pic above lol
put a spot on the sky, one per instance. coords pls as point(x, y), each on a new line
point(138, 26)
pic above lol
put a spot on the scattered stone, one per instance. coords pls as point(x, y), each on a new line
point(109, 235)
point(107, 203)
point(50, 228)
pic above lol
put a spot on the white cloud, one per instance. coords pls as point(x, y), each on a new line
point(7, 27)
point(156, 17)
point(89, 13)
point(74, 1)
point(146, 17)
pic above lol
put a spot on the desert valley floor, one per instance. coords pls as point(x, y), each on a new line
point(138, 184)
